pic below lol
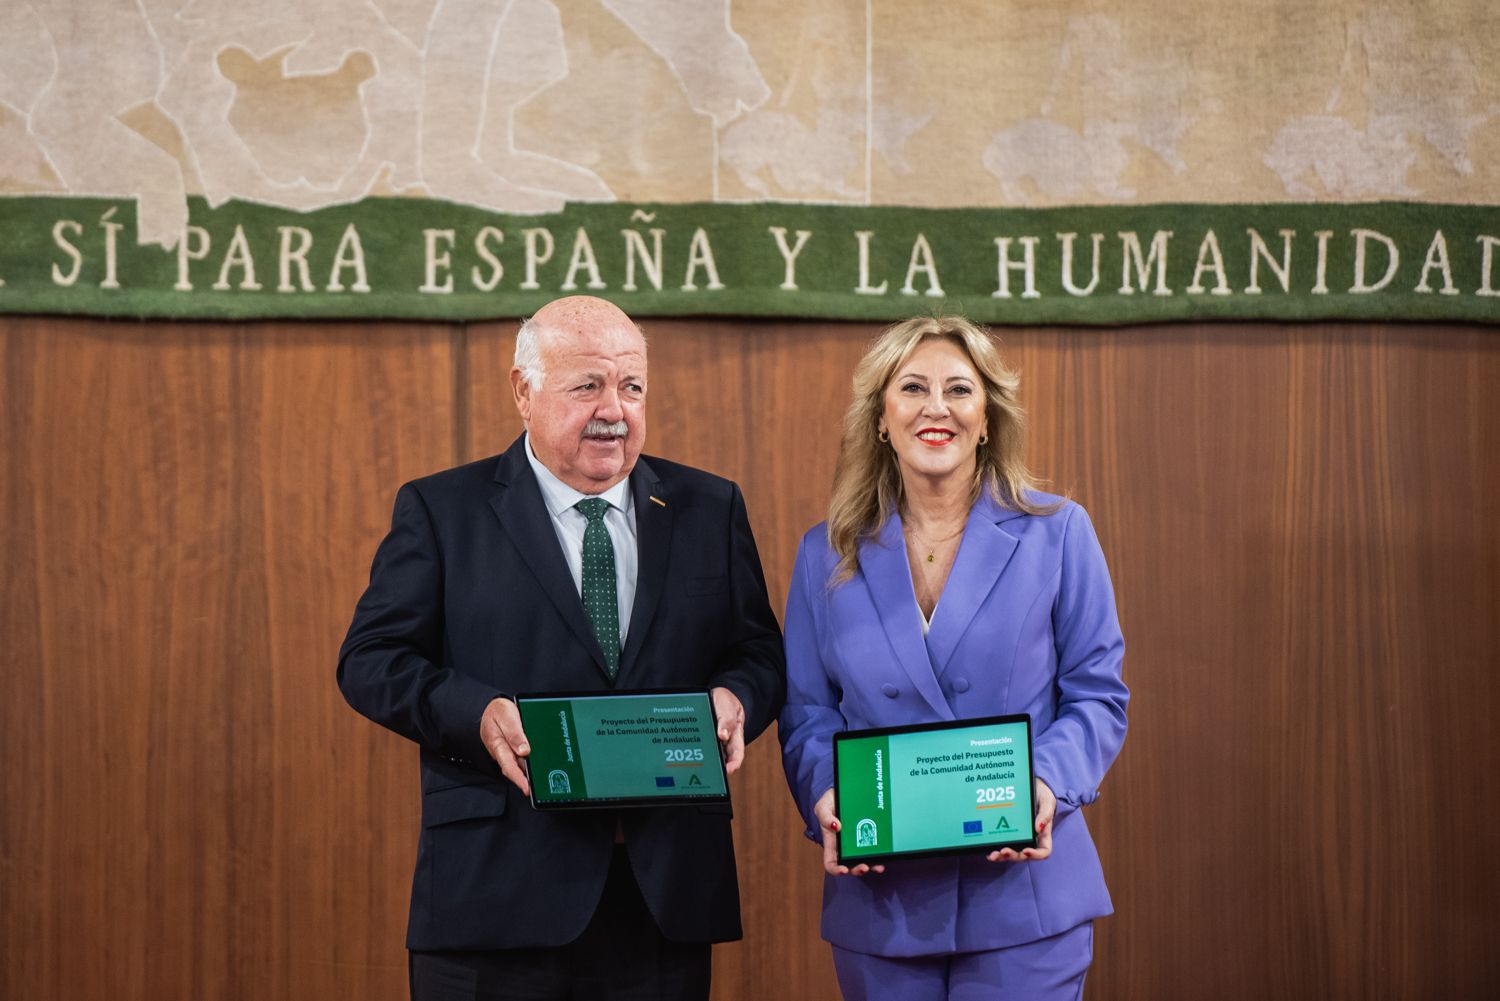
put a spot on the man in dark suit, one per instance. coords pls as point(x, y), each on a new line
point(569, 563)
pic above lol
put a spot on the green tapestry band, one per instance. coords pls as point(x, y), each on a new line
point(415, 258)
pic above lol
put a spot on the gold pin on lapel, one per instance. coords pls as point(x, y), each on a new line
point(657, 500)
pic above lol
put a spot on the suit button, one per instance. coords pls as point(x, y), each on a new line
point(960, 685)
point(890, 691)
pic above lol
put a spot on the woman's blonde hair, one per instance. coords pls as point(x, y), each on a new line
point(867, 479)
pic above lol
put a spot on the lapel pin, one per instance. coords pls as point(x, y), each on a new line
point(657, 500)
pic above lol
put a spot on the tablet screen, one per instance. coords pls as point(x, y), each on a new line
point(934, 789)
point(638, 748)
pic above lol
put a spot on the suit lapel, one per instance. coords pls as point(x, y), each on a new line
point(653, 533)
point(882, 563)
point(524, 518)
point(982, 556)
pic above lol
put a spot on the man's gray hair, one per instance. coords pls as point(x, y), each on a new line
point(529, 354)
point(529, 351)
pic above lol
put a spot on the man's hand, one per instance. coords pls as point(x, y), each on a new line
point(823, 810)
point(500, 730)
point(731, 716)
point(1046, 809)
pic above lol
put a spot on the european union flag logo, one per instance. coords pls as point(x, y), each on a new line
point(665, 782)
point(973, 827)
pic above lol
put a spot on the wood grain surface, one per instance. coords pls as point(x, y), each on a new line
point(1300, 523)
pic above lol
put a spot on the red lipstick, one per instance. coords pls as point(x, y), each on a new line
point(940, 442)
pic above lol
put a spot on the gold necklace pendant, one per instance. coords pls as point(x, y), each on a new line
point(918, 542)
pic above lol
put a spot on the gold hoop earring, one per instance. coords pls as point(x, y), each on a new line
point(984, 439)
point(883, 435)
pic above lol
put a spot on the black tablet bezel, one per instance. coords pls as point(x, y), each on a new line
point(967, 847)
point(624, 802)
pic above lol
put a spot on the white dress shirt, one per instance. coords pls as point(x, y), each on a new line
point(569, 522)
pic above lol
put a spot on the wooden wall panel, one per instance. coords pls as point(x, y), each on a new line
point(1299, 531)
point(191, 810)
point(1298, 522)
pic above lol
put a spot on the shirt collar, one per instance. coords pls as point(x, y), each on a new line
point(559, 497)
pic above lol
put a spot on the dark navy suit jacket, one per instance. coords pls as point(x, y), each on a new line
point(470, 598)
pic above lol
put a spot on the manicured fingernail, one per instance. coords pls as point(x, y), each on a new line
point(524, 749)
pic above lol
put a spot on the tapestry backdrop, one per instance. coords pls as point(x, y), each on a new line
point(473, 158)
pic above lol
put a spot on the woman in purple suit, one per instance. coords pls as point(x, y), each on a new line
point(943, 586)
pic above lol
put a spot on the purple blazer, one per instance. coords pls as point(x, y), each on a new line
point(1026, 624)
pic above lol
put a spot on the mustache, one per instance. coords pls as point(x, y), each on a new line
point(605, 429)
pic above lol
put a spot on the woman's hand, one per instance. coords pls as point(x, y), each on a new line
point(1046, 808)
point(823, 810)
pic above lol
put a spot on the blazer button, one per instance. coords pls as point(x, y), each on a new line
point(960, 685)
point(890, 691)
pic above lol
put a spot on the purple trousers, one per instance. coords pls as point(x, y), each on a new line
point(1050, 969)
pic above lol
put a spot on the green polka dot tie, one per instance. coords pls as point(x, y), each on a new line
point(599, 599)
